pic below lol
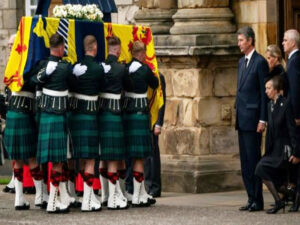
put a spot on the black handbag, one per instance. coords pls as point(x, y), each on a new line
point(287, 152)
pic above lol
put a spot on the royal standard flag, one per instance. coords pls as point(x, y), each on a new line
point(32, 45)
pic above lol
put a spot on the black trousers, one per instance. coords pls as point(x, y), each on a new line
point(250, 154)
point(152, 169)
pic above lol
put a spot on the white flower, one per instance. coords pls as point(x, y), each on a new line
point(77, 11)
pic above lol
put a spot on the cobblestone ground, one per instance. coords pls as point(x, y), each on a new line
point(172, 208)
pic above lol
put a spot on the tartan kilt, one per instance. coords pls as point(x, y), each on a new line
point(137, 135)
point(20, 135)
point(53, 138)
point(111, 136)
point(85, 135)
point(37, 117)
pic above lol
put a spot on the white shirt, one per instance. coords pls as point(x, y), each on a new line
point(292, 53)
point(249, 56)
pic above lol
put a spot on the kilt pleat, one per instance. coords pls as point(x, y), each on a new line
point(111, 136)
point(52, 139)
point(85, 135)
point(20, 135)
point(137, 135)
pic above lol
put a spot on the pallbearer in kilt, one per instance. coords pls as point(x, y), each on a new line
point(20, 140)
point(111, 126)
point(84, 119)
point(136, 120)
point(52, 146)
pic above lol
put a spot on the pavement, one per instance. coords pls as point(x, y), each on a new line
point(171, 208)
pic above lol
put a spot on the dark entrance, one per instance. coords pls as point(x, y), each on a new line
point(289, 16)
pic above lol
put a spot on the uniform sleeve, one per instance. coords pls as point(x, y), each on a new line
point(101, 78)
point(72, 79)
point(294, 86)
point(151, 79)
point(127, 80)
point(293, 134)
point(161, 112)
point(38, 74)
point(263, 70)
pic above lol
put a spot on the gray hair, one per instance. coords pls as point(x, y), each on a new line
point(293, 35)
point(12, 38)
point(248, 33)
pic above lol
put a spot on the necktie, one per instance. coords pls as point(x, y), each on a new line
point(272, 105)
point(244, 69)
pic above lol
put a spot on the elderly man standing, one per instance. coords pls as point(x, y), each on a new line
point(290, 44)
point(251, 115)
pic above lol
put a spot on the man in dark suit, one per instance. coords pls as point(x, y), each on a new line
point(291, 41)
point(251, 115)
point(152, 163)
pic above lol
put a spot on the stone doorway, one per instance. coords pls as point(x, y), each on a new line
point(289, 16)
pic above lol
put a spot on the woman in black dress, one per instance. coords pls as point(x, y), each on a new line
point(280, 133)
point(276, 66)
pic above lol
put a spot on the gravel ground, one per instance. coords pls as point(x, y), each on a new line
point(172, 208)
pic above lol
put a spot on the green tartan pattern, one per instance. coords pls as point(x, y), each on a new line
point(137, 135)
point(85, 135)
point(53, 138)
point(111, 136)
point(37, 117)
point(20, 135)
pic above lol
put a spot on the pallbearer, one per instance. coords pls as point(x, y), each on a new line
point(84, 119)
point(53, 130)
point(20, 139)
point(110, 125)
point(136, 120)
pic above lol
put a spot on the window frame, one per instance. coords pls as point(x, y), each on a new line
point(29, 7)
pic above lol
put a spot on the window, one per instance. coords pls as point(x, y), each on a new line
point(30, 7)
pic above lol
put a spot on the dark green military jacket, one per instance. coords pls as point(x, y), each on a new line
point(87, 83)
point(142, 77)
point(59, 80)
point(115, 78)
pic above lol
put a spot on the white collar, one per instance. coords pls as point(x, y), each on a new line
point(249, 56)
point(292, 53)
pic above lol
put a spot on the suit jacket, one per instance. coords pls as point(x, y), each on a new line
point(281, 131)
point(161, 112)
point(251, 100)
point(293, 74)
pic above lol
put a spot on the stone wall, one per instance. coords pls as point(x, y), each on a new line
point(10, 14)
point(262, 16)
point(126, 11)
point(198, 142)
point(199, 117)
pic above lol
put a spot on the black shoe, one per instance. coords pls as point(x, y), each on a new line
point(29, 190)
point(151, 201)
point(79, 193)
point(8, 190)
point(155, 194)
point(58, 211)
point(245, 207)
point(255, 207)
point(43, 205)
point(104, 204)
point(296, 204)
point(141, 205)
point(278, 205)
point(75, 205)
point(22, 207)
